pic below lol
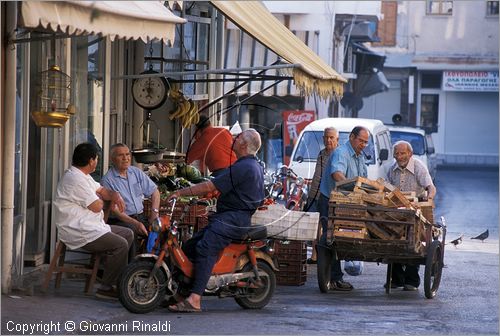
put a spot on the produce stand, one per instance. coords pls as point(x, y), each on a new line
point(374, 221)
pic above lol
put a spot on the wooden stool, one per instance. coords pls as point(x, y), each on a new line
point(58, 266)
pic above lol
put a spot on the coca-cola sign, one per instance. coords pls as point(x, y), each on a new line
point(293, 123)
point(300, 117)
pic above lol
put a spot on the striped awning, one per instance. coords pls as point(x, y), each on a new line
point(145, 20)
point(313, 75)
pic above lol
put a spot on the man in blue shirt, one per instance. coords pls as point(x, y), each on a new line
point(346, 162)
point(241, 188)
point(133, 185)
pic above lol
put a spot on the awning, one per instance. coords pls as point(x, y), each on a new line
point(242, 50)
point(313, 75)
point(145, 20)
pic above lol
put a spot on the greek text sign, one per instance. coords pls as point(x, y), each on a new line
point(482, 81)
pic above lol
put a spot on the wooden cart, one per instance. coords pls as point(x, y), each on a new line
point(383, 234)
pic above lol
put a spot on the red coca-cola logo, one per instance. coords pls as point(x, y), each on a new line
point(299, 118)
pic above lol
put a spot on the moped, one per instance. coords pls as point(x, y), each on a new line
point(244, 270)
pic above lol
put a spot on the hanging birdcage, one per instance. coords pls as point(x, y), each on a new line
point(52, 107)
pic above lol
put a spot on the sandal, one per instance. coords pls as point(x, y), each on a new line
point(184, 307)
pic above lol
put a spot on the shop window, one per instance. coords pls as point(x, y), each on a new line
point(190, 51)
point(492, 8)
point(429, 111)
point(88, 95)
point(439, 7)
point(431, 80)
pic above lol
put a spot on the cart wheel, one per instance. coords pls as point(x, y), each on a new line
point(324, 267)
point(433, 269)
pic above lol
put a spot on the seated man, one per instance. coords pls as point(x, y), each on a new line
point(242, 191)
point(409, 174)
point(78, 205)
point(132, 184)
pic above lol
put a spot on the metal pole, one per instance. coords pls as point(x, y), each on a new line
point(8, 148)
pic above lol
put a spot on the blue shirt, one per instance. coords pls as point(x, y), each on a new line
point(344, 160)
point(241, 186)
point(132, 188)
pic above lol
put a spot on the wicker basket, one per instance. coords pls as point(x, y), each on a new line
point(195, 211)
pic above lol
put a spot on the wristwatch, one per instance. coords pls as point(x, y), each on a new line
point(156, 210)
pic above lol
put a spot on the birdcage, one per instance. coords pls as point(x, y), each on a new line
point(52, 107)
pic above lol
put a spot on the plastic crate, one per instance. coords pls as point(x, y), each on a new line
point(287, 224)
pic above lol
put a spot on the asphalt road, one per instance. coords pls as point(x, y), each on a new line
point(466, 303)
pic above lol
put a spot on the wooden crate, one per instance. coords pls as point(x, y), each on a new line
point(195, 211)
point(351, 229)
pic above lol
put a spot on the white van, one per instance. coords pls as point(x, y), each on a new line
point(423, 147)
point(378, 153)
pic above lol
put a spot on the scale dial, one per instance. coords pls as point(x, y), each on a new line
point(150, 92)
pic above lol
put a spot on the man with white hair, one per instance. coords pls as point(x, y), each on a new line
point(409, 174)
point(241, 188)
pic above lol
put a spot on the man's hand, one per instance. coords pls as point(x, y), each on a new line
point(173, 195)
point(117, 202)
point(141, 230)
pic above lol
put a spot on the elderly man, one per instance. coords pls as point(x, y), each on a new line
point(212, 147)
point(409, 174)
point(241, 188)
point(347, 161)
point(79, 217)
point(330, 140)
point(133, 184)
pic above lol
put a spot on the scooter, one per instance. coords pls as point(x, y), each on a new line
point(245, 270)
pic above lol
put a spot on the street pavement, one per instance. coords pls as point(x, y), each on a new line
point(466, 303)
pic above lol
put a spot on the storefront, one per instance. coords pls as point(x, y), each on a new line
point(102, 47)
point(81, 39)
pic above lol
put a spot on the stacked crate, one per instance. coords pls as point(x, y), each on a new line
point(291, 256)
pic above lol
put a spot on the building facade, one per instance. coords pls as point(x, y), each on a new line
point(442, 65)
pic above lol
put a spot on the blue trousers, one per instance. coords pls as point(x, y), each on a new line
point(336, 270)
point(204, 247)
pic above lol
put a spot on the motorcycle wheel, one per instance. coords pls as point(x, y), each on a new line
point(258, 298)
point(324, 267)
point(136, 293)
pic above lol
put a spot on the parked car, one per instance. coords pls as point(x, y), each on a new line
point(378, 153)
point(423, 146)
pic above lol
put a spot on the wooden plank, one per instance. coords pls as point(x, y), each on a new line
point(377, 231)
point(397, 197)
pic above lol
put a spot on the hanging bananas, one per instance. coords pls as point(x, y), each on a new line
point(186, 109)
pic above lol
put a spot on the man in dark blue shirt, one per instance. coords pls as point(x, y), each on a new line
point(241, 188)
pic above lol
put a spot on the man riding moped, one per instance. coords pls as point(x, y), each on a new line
point(242, 191)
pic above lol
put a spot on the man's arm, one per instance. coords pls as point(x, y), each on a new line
point(155, 204)
point(123, 217)
point(338, 176)
point(196, 190)
point(431, 191)
point(107, 195)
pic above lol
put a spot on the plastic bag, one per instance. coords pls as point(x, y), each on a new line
point(151, 243)
point(353, 268)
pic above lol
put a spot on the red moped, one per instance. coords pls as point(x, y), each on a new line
point(244, 270)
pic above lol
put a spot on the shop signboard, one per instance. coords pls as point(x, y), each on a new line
point(476, 81)
point(293, 123)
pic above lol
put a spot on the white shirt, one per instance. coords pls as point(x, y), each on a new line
point(77, 224)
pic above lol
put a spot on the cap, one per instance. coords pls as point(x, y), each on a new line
point(235, 129)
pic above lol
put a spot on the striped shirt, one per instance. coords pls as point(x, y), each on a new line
point(415, 177)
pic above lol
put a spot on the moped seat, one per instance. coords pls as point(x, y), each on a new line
point(256, 233)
